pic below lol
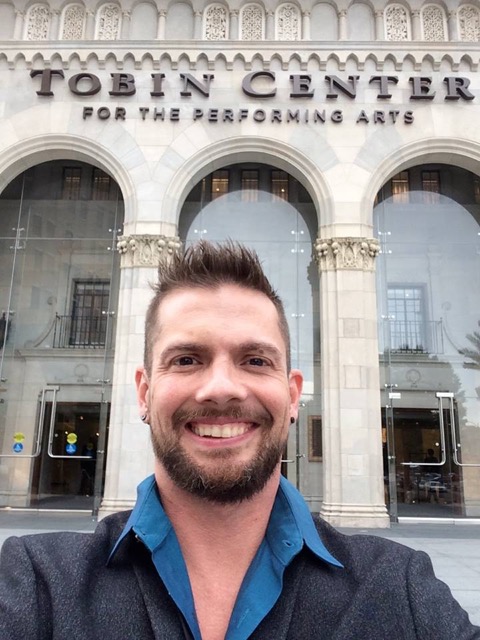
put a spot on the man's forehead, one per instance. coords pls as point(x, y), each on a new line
point(227, 294)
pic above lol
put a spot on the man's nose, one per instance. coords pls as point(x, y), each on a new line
point(221, 383)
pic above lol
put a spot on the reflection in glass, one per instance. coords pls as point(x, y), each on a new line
point(428, 284)
point(272, 213)
point(58, 293)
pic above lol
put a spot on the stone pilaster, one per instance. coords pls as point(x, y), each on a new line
point(352, 444)
point(130, 458)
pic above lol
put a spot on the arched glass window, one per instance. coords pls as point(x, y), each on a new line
point(427, 221)
point(59, 280)
point(267, 209)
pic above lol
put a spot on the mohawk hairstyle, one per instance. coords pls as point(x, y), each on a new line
point(207, 265)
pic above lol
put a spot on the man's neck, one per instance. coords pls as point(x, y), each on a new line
point(200, 523)
point(218, 544)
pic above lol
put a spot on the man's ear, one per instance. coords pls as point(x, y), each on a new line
point(143, 387)
point(295, 383)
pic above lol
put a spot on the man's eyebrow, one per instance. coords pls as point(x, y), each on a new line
point(263, 348)
point(181, 347)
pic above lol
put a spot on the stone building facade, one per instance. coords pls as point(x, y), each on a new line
point(338, 139)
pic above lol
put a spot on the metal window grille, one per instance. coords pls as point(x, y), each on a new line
point(89, 313)
point(219, 183)
point(249, 185)
point(431, 186)
point(71, 183)
point(102, 186)
point(407, 327)
point(401, 187)
point(280, 184)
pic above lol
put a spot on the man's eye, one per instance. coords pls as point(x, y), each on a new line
point(257, 362)
point(185, 361)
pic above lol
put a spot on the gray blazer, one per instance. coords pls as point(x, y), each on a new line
point(59, 587)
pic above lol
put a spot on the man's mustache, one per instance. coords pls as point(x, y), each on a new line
point(185, 414)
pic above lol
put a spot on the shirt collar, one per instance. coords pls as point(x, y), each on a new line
point(290, 526)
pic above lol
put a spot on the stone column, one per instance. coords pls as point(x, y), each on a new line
point(233, 29)
point(379, 26)
point(416, 25)
point(270, 26)
point(452, 26)
point(352, 440)
point(90, 25)
point(306, 25)
point(19, 25)
point(342, 25)
point(129, 457)
point(126, 18)
point(162, 20)
point(197, 28)
point(55, 25)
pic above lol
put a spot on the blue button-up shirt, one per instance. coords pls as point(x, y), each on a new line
point(289, 529)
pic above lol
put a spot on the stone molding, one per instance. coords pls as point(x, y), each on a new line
point(356, 254)
point(356, 515)
point(145, 250)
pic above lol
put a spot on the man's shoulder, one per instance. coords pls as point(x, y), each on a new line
point(362, 552)
point(71, 545)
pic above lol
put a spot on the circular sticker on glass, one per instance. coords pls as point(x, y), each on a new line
point(17, 447)
point(71, 448)
point(72, 438)
point(18, 436)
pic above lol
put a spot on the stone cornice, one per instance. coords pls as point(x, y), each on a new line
point(356, 254)
point(94, 54)
point(145, 250)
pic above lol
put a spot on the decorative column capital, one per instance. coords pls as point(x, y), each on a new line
point(358, 254)
point(379, 13)
point(162, 13)
point(146, 250)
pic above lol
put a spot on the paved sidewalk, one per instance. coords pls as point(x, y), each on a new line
point(453, 548)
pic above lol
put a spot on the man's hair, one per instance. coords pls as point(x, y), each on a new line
point(207, 265)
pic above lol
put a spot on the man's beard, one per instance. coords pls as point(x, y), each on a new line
point(226, 482)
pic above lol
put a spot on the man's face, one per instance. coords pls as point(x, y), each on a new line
point(219, 398)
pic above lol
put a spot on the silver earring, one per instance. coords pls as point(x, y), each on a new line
point(144, 417)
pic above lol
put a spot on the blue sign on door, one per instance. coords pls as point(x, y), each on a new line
point(71, 448)
point(17, 447)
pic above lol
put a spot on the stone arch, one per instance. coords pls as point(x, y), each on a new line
point(461, 153)
point(248, 149)
point(23, 155)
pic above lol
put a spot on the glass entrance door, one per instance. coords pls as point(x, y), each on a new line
point(64, 474)
point(58, 285)
point(430, 470)
point(428, 284)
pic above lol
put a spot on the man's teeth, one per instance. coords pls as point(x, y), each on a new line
point(216, 431)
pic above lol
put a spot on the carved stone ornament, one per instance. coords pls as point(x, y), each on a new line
point(73, 22)
point(146, 250)
point(469, 23)
point(434, 27)
point(346, 253)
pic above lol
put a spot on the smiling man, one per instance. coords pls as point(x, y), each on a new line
point(219, 546)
